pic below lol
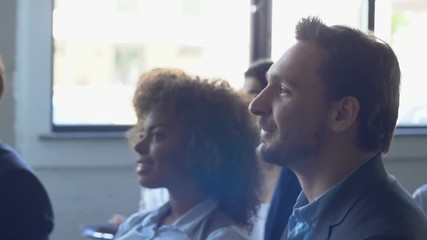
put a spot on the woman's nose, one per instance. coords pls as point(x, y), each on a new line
point(142, 145)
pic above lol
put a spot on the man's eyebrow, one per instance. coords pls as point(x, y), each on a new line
point(154, 126)
point(277, 78)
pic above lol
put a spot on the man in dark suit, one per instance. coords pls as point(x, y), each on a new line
point(25, 209)
point(328, 113)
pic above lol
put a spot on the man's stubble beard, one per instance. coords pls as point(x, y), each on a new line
point(285, 154)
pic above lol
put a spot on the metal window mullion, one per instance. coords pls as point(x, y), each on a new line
point(261, 21)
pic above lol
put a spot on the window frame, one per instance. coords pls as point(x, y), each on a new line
point(257, 50)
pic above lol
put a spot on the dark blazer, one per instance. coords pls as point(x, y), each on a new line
point(284, 198)
point(25, 209)
point(371, 205)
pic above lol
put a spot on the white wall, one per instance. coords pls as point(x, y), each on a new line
point(90, 179)
point(407, 160)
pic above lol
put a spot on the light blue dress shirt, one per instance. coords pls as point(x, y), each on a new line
point(145, 225)
point(305, 215)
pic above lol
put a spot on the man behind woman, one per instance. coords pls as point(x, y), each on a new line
point(278, 183)
point(196, 138)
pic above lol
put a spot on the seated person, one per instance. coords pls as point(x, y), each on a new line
point(254, 83)
point(25, 208)
point(255, 79)
point(420, 196)
point(328, 113)
point(279, 182)
point(195, 138)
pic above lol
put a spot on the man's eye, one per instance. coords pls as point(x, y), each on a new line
point(157, 136)
point(283, 90)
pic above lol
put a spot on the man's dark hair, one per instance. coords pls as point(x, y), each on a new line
point(258, 69)
point(363, 66)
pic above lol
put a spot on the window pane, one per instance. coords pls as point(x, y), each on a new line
point(102, 46)
point(402, 24)
point(286, 14)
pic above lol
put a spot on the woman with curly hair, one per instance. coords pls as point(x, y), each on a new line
point(195, 138)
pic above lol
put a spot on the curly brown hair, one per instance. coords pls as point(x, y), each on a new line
point(221, 135)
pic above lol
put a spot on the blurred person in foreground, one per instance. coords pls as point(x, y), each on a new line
point(328, 113)
point(195, 138)
point(25, 209)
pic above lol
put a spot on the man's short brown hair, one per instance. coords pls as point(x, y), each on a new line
point(368, 70)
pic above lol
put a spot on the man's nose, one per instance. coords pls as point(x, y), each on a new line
point(260, 105)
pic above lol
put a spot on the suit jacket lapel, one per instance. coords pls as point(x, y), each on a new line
point(347, 196)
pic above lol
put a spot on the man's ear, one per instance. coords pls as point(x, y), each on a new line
point(344, 113)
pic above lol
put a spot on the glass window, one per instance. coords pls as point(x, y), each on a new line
point(286, 14)
point(401, 23)
point(102, 46)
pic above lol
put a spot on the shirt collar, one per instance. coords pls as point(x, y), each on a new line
point(310, 212)
point(186, 223)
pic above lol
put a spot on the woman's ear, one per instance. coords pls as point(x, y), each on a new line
point(344, 114)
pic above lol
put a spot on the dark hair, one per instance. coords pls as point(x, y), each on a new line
point(222, 136)
point(2, 78)
point(258, 69)
point(363, 66)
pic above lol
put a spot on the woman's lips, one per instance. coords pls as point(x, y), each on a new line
point(143, 168)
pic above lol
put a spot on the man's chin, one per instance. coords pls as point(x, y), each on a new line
point(268, 154)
